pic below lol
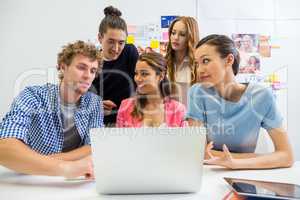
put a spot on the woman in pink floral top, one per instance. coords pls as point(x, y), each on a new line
point(152, 106)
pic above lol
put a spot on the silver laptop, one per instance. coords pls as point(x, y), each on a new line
point(148, 160)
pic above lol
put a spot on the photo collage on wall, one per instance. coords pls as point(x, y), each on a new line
point(247, 45)
point(252, 47)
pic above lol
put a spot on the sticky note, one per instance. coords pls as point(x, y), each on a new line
point(165, 36)
point(131, 29)
point(154, 44)
point(130, 39)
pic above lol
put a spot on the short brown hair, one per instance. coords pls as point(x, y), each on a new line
point(79, 47)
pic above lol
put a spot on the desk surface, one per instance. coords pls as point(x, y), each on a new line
point(18, 186)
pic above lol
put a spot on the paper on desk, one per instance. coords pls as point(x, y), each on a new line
point(79, 178)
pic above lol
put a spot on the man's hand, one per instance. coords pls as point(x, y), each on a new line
point(73, 169)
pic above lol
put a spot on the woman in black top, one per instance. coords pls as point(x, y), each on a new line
point(115, 83)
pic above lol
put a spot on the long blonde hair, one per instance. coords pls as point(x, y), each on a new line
point(192, 39)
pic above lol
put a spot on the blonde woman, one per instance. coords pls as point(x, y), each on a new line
point(183, 36)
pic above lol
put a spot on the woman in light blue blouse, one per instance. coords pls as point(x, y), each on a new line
point(232, 112)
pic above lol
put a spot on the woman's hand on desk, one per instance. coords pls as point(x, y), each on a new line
point(226, 160)
point(73, 169)
point(208, 153)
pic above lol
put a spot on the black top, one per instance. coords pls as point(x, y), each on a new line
point(116, 82)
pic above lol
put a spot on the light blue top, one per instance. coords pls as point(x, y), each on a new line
point(235, 124)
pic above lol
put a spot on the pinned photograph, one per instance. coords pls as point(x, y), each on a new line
point(247, 43)
point(252, 65)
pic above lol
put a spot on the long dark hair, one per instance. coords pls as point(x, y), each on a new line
point(224, 46)
point(112, 20)
point(158, 63)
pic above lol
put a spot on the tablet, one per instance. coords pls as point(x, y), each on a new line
point(265, 189)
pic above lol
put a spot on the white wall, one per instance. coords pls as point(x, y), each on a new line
point(140, 12)
point(33, 31)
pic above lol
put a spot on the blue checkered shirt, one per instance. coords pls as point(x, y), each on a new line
point(35, 118)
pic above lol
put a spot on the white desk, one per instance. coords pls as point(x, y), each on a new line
point(16, 186)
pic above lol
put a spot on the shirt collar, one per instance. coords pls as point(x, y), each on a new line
point(55, 99)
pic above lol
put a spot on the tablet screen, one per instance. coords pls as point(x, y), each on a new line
point(264, 188)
